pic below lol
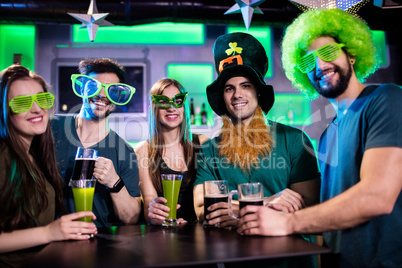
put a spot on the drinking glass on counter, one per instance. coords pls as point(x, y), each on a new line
point(171, 187)
point(214, 192)
point(83, 191)
point(249, 194)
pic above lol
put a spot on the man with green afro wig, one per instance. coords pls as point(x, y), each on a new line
point(344, 28)
point(330, 53)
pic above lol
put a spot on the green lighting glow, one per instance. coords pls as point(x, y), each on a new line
point(113, 230)
point(17, 39)
point(264, 35)
point(291, 109)
point(166, 33)
point(315, 144)
point(195, 78)
point(380, 43)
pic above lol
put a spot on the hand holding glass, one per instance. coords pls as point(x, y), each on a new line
point(249, 194)
point(171, 187)
point(214, 192)
point(84, 164)
point(83, 191)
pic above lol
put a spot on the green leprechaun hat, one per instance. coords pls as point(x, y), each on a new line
point(239, 54)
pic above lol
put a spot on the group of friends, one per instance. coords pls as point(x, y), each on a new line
point(352, 194)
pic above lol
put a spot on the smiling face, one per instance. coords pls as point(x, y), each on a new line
point(330, 78)
point(172, 117)
point(100, 107)
point(33, 122)
point(240, 98)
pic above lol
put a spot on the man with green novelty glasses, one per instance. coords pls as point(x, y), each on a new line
point(329, 52)
point(88, 87)
point(117, 195)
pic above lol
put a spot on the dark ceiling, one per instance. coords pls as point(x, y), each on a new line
point(131, 12)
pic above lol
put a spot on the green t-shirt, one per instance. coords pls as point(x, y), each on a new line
point(292, 160)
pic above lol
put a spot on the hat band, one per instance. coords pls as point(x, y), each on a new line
point(234, 60)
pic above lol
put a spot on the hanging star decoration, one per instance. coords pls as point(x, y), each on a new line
point(246, 8)
point(349, 6)
point(92, 20)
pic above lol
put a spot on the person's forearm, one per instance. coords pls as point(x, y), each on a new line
point(126, 207)
point(354, 206)
point(21, 239)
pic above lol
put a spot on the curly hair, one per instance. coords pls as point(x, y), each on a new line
point(343, 27)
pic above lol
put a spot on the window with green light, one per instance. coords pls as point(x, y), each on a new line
point(380, 43)
point(150, 34)
point(291, 109)
point(195, 78)
point(17, 39)
point(264, 36)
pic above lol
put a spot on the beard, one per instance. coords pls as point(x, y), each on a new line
point(242, 145)
point(91, 108)
point(334, 91)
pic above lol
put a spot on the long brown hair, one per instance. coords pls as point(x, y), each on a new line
point(24, 192)
point(157, 143)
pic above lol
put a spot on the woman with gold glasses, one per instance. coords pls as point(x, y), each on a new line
point(171, 149)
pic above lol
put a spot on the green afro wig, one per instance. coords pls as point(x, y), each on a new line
point(344, 28)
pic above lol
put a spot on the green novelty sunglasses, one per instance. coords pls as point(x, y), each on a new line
point(164, 102)
point(87, 87)
point(329, 52)
point(22, 104)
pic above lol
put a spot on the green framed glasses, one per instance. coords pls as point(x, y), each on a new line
point(22, 104)
point(87, 87)
point(329, 52)
point(164, 102)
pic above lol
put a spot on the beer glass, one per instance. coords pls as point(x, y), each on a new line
point(84, 164)
point(83, 191)
point(214, 192)
point(171, 187)
point(249, 194)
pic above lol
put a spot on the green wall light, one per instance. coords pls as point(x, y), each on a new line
point(17, 39)
point(166, 33)
point(380, 43)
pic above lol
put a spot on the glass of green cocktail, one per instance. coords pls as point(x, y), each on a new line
point(171, 187)
point(83, 191)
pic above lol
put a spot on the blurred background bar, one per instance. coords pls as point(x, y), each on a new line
point(155, 39)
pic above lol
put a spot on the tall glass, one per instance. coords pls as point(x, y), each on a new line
point(84, 164)
point(249, 194)
point(83, 191)
point(214, 192)
point(171, 187)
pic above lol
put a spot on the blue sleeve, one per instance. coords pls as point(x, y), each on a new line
point(384, 118)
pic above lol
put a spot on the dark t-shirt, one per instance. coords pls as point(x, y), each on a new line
point(373, 120)
point(112, 147)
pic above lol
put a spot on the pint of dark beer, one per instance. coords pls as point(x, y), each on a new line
point(214, 192)
point(249, 194)
point(84, 164)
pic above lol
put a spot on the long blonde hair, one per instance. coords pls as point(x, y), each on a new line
point(157, 143)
